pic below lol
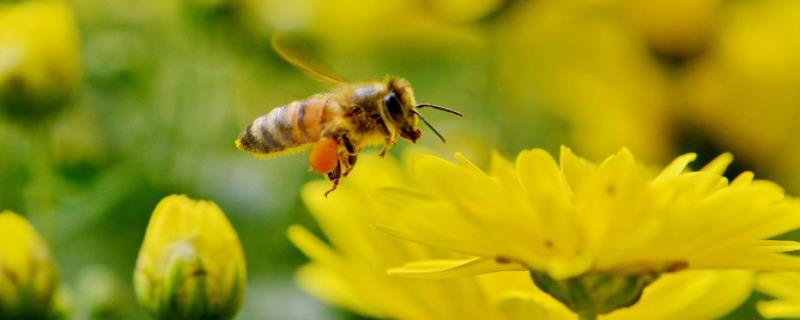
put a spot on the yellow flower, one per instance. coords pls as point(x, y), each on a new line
point(577, 225)
point(28, 276)
point(39, 57)
point(785, 287)
point(191, 264)
point(351, 271)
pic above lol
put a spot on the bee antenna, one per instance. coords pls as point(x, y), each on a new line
point(445, 109)
point(429, 126)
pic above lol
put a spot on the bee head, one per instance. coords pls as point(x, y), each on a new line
point(399, 110)
point(398, 107)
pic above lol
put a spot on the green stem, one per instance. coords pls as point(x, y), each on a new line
point(41, 187)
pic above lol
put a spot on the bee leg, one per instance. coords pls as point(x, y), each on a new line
point(351, 162)
point(347, 158)
point(334, 176)
point(343, 157)
point(386, 146)
point(348, 145)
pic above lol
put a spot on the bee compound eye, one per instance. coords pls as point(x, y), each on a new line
point(393, 106)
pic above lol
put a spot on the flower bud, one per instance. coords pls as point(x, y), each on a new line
point(28, 277)
point(191, 264)
point(39, 58)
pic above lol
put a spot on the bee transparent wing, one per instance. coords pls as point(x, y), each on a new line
point(289, 49)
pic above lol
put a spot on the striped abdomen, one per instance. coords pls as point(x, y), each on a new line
point(292, 125)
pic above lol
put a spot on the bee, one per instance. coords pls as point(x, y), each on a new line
point(338, 124)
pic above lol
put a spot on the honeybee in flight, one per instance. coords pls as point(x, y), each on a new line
point(338, 124)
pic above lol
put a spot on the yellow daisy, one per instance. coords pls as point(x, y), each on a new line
point(350, 271)
point(593, 236)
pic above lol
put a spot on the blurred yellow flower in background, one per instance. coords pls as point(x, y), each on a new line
point(661, 77)
point(743, 92)
point(40, 67)
point(351, 271)
point(28, 275)
point(191, 265)
point(674, 27)
point(593, 236)
point(785, 287)
point(580, 61)
point(346, 28)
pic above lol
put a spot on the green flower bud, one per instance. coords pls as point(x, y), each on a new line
point(28, 276)
point(191, 264)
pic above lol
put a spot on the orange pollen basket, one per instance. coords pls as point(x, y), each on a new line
point(324, 155)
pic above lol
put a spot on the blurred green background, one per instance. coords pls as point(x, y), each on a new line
point(159, 90)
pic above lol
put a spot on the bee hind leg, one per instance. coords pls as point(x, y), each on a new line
point(334, 176)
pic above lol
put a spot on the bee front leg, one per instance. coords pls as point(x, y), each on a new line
point(334, 176)
point(390, 141)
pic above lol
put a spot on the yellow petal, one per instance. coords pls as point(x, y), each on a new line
point(443, 269)
point(677, 166)
point(719, 164)
point(468, 189)
point(690, 295)
point(780, 284)
point(538, 172)
point(747, 260)
point(743, 178)
point(783, 286)
point(779, 309)
point(500, 166)
point(549, 197)
point(311, 246)
point(524, 306)
point(776, 246)
point(330, 286)
point(467, 246)
point(575, 169)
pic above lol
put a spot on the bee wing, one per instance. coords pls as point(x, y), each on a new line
point(293, 55)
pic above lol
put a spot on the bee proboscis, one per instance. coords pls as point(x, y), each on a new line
point(338, 124)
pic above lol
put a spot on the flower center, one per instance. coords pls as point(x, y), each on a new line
point(595, 293)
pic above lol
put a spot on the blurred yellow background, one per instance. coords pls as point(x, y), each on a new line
point(108, 106)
